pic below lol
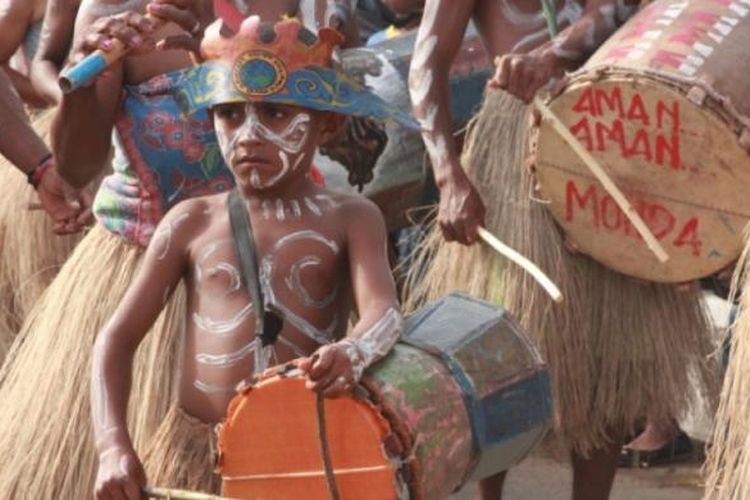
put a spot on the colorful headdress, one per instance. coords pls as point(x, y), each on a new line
point(283, 63)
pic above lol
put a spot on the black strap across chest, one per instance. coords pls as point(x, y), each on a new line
point(267, 324)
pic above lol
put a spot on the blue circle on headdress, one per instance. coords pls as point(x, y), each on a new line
point(258, 75)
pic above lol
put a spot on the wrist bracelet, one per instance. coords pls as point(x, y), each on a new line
point(34, 176)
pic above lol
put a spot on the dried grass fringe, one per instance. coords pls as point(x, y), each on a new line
point(31, 253)
point(728, 463)
point(617, 349)
point(45, 432)
point(182, 454)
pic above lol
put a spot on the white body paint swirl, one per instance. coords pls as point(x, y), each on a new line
point(266, 270)
point(163, 236)
point(294, 283)
point(264, 355)
point(223, 327)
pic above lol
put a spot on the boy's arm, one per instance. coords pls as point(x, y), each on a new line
point(340, 365)
point(165, 261)
point(524, 74)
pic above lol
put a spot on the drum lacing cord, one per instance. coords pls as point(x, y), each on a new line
point(325, 451)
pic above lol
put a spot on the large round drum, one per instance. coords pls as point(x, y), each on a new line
point(663, 107)
point(464, 396)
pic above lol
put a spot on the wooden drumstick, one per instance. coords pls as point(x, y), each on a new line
point(153, 492)
point(531, 268)
point(630, 212)
point(95, 63)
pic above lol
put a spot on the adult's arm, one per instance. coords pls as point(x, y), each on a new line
point(16, 16)
point(20, 144)
point(438, 41)
point(524, 74)
point(82, 127)
point(18, 141)
point(54, 45)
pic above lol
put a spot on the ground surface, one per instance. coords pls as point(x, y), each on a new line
point(545, 479)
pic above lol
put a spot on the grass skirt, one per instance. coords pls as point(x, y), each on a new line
point(182, 454)
point(45, 423)
point(728, 464)
point(618, 349)
point(31, 253)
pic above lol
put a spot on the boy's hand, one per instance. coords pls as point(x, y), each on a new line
point(120, 475)
point(329, 370)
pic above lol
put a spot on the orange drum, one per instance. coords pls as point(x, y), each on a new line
point(464, 396)
point(664, 107)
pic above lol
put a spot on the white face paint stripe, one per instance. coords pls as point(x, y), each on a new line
point(291, 141)
point(284, 169)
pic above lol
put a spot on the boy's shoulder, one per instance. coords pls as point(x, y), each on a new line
point(354, 209)
point(199, 206)
point(195, 215)
point(347, 201)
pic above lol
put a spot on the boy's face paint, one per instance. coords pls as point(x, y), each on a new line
point(263, 143)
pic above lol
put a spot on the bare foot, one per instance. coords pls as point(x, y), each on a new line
point(654, 436)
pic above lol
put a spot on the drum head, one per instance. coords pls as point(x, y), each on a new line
point(269, 446)
point(679, 164)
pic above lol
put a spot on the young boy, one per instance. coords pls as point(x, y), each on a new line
point(315, 249)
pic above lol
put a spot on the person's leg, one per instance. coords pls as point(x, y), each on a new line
point(593, 476)
point(491, 488)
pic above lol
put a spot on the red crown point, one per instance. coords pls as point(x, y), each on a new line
point(286, 41)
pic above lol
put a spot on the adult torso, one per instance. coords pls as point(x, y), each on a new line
point(519, 25)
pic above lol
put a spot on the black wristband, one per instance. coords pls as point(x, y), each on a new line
point(31, 174)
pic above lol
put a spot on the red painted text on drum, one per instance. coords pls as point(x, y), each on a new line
point(628, 125)
point(593, 204)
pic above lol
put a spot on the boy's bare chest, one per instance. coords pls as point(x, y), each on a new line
point(300, 266)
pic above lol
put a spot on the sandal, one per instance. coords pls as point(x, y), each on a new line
point(679, 449)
